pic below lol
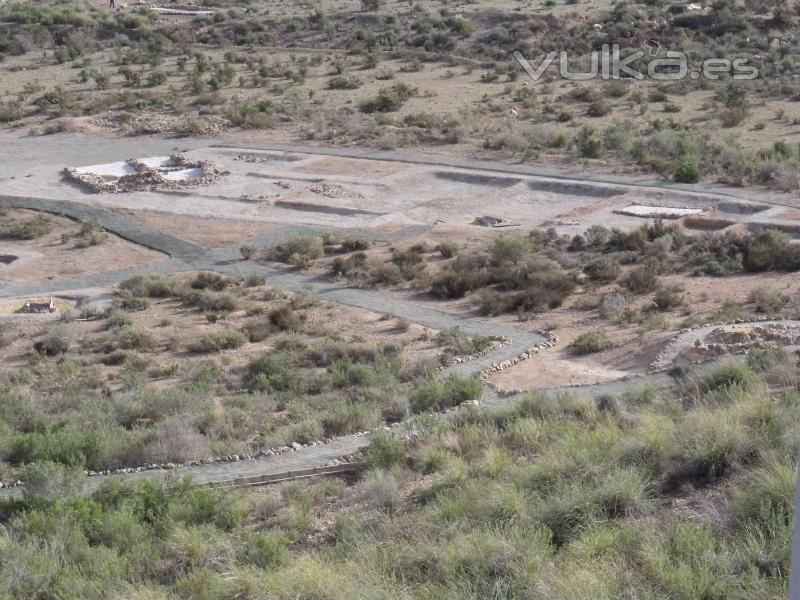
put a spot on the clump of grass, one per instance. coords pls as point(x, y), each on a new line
point(732, 374)
point(444, 393)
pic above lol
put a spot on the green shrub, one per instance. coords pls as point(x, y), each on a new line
point(228, 339)
point(265, 550)
point(444, 393)
point(27, 229)
point(286, 319)
point(765, 250)
point(51, 480)
point(459, 277)
point(208, 280)
point(589, 143)
point(270, 372)
point(385, 451)
point(589, 343)
point(728, 375)
point(343, 83)
point(56, 341)
point(299, 252)
point(688, 171)
point(767, 491)
point(641, 280)
point(458, 343)
point(345, 418)
point(151, 286)
point(667, 299)
point(210, 301)
point(602, 270)
point(767, 299)
point(388, 99)
point(135, 339)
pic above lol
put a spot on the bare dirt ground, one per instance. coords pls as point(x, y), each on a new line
point(212, 233)
point(58, 253)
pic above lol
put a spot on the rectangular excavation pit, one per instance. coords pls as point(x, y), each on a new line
point(706, 224)
point(261, 156)
point(474, 179)
point(574, 189)
point(741, 208)
point(325, 209)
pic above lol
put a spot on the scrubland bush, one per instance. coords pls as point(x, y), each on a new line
point(388, 99)
point(767, 299)
point(299, 252)
point(208, 280)
point(227, 339)
point(602, 270)
point(641, 280)
point(343, 83)
point(56, 341)
point(151, 286)
point(589, 343)
point(612, 305)
point(210, 301)
point(25, 229)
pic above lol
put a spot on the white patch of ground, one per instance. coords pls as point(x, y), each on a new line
point(164, 164)
point(663, 212)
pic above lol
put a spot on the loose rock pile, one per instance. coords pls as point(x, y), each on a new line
point(145, 124)
point(332, 191)
point(146, 178)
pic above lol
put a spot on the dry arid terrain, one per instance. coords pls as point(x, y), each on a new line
point(334, 300)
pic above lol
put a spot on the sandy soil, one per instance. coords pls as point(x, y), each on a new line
point(54, 256)
point(555, 368)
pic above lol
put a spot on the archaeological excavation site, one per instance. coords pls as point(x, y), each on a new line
point(358, 300)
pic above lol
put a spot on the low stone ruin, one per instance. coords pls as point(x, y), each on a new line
point(740, 340)
point(138, 175)
point(31, 308)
